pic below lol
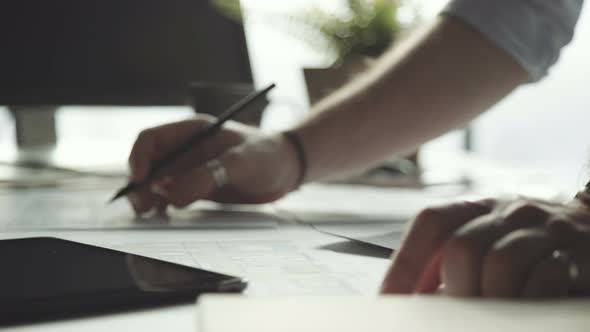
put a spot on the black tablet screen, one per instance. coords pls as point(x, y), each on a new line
point(46, 277)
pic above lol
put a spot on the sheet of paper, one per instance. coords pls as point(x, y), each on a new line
point(385, 235)
point(292, 259)
point(321, 203)
point(386, 314)
point(275, 265)
point(88, 209)
point(284, 261)
point(376, 216)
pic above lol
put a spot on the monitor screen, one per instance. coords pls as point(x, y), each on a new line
point(115, 52)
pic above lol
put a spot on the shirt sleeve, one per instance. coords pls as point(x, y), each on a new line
point(531, 31)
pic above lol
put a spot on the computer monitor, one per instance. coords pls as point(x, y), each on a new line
point(115, 52)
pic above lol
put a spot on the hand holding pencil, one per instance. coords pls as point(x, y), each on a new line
point(235, 164)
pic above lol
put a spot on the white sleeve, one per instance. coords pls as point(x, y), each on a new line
point(532, 31)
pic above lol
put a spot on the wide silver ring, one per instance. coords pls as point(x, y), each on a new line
point(568, 260)
point(218, 172)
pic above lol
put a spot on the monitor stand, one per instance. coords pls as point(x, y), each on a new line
point(36, 134)
point(38, 148)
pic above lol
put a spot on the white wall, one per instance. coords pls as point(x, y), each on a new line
point(547, 123)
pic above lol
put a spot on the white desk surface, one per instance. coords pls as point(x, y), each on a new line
point(365, 273)
point(326, 270)
point(226, 313)
point(312, 258)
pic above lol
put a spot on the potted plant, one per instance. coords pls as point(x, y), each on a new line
point(349, 41)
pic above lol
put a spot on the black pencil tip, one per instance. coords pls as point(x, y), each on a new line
point(116, 197)
point(110, 201)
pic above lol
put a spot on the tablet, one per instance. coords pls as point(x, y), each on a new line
point(48, 278)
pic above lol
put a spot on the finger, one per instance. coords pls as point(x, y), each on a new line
point(142, 200)
point(548, 278)
point(254, 173)
point(506, 266)
point(160, 189)
point(574, 236)
point(189, 187)
point(199, 183)
point(426, 235)
point(161, 206)
point(581, 286)
point(260, 172)
point(141, 156)
point(153, 143)
point(464, 252)
point(147, 197)
point(430, 281)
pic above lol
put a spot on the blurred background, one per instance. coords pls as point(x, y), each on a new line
point(541, 126)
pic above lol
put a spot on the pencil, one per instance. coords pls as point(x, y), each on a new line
point(196, 138)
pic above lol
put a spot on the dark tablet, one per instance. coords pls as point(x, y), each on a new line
point(47, 278)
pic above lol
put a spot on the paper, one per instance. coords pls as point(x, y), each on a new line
point(88, 209)
point(376, 216)
point(380, 234)
point(348, 203)
point(386, 314)
point(287, 267)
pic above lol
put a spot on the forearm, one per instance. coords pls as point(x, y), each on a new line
point(433, 84)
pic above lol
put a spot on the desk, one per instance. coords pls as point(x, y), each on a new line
point(309, 262)
point(323, 271)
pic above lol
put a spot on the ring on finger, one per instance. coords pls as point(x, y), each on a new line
point(567, 259)
point(219, 173)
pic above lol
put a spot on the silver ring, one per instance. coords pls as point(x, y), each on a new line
point(218, 172)
point(566, 258)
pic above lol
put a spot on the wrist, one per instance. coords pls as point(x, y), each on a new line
point(297, 158)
